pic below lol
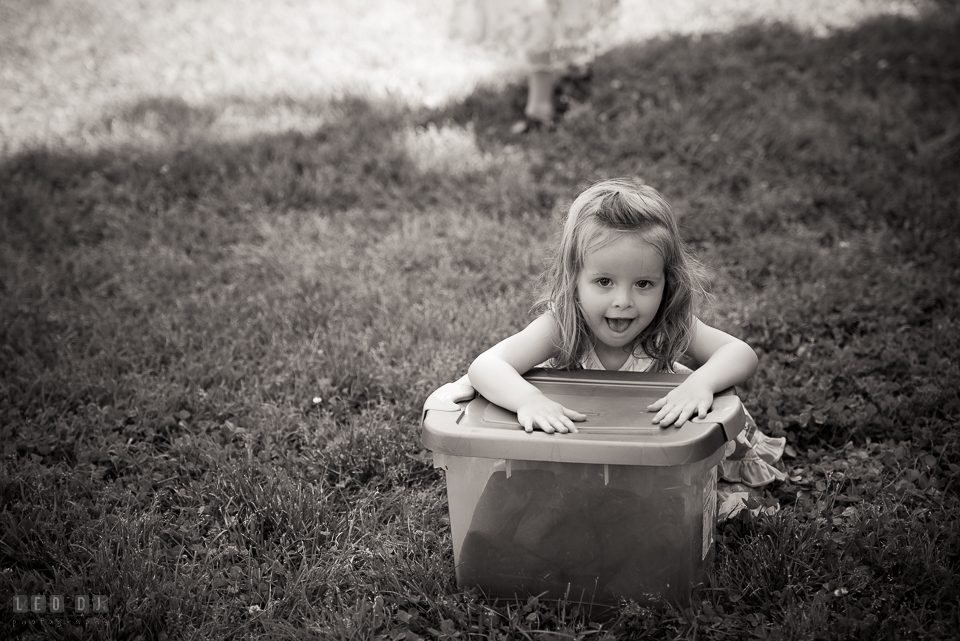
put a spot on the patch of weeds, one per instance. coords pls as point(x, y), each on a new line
point(854, 532)
point(67, 534)
point(369, 452)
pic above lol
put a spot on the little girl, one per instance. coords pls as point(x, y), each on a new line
point(620, 295)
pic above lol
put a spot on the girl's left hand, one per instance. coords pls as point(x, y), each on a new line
point(686, 401)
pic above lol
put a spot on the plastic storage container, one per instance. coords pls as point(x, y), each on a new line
point(622, 509)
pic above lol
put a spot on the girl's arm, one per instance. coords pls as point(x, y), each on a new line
point(727, 361)
point(497, 375)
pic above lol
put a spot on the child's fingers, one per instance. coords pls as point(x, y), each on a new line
point(678, 414)
point(574, 414)
point(702, 410)
point(684, 416)
point(674, 415)
point(568, 425)
point(560, 424)
point(692, 410)
point(665, 416)
point(546, 425)
point(656, 405)
point(665, 411)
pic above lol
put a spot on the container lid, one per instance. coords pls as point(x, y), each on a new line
point(618, 430)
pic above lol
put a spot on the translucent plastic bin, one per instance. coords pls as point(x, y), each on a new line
point(622, 509)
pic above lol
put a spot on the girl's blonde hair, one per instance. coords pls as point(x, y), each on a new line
point(603, 213)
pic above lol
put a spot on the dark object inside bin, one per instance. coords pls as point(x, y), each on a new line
point(574, 537)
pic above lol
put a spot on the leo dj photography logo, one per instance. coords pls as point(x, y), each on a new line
point(58, 604)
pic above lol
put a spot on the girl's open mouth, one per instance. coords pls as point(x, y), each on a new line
point(619, 325)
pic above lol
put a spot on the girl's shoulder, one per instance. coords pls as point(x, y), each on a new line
point(545, 332)
point(542, 329)
point(546, 324)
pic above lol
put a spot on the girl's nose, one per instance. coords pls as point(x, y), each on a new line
point(621, 299)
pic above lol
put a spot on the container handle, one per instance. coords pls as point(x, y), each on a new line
point(728, 412)
point(448, 397)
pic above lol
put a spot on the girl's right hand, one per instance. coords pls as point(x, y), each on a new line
point(540, 412)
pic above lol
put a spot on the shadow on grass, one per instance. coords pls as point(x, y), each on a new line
point(54, 198)
point(852, 130)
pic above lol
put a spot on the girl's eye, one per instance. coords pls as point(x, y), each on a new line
point(603, 282)
point(644, 284)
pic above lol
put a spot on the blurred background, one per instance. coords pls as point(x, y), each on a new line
point(241, 242)
point(67, 66)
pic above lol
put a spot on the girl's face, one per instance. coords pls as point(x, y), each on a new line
point(619, 291)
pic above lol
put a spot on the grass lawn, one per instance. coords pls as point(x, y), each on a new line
point(238, 250)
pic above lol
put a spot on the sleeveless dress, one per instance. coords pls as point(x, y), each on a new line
point(750, 461)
